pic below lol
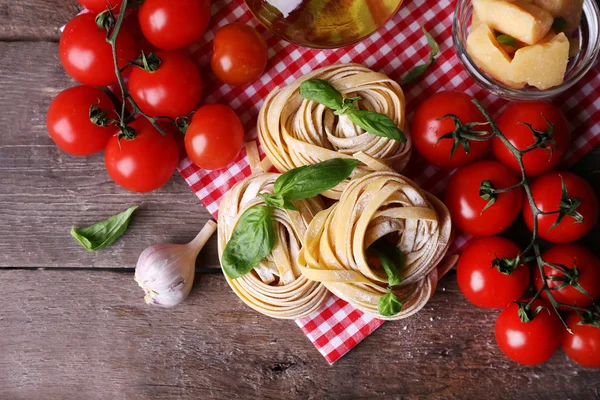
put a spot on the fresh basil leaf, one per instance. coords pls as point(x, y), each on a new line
point(311, 180)
point(322, 92)
point(276, 200)
point(415, 73)
point(435, 48)
point(389, 304)
point(251, 241)
point(288, 205)
point(272, 200)
point(419, 70)
point(103, 233)
point(507, 40)
point(376, 124)
point(559, 24)
point(391, 259)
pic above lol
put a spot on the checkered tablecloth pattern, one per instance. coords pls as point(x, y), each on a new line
point(393, 50)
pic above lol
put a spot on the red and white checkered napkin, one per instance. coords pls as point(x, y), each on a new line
point(393, 50)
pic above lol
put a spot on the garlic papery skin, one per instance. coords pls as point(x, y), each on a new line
point(166, 271)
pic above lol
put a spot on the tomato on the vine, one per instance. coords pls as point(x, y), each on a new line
point(578, 205)
point(240, 54)
point(584, 272)
point(174, 25)
point(69, 122)
point(532, 342)
point(512, 122)
point(466, 205)
point(131, 23)
point(583, 346)
point(435, 135)
point(215, 136)
point(87, 56)
point(173, 89)
point(145, 162)
point(487, 274)
point(97, 6)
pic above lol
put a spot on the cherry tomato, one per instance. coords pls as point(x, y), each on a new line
point(240, 54)
point(583, 346)
point(97, 6)
point(481, 282)
point(547, 193)
point(215, 136)
point(588, 267)
point(69, 123)
point(427, 128)
point(87, 57)
point(174, 25)
point(530, 342)
point(466, 206)
point(144, 163)
point(173, 90)
point(511, 123)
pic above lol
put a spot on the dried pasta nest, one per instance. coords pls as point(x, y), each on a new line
point(295, 132)
point(275, 287)
point(371, 207)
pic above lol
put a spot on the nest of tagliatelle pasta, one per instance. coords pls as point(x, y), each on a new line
point(372, 237)
point(294, 131)
point(275, 287)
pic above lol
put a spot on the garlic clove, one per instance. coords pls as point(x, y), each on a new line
point(166, 271)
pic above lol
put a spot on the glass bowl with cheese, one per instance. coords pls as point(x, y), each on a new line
point(527, 49)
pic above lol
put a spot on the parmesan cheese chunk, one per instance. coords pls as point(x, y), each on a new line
point(570, 10)
point(487, 53)
point(541, 65)
point(525, 22)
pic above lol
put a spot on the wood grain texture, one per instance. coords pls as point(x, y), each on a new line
point(88, 335)
point(35, 20)
point(44, 191)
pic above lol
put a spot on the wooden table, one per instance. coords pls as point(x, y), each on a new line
point(73, 324)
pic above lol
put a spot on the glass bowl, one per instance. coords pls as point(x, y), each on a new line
point(323, 24)
point(589, 47)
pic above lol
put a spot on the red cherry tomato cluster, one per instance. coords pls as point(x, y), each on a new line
point(162, 88)
point(486, 196)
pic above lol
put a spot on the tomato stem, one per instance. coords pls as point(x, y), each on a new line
point(112, 40)
point(535, 211)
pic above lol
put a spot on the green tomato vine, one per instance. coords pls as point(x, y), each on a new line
point(532, 251)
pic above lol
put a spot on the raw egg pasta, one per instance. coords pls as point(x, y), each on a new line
point(275, 287)
point(295, 132)
point(371, 207)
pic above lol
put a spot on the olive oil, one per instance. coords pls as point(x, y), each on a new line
point(323, 23)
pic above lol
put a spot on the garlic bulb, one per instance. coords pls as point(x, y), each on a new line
point(166, 271)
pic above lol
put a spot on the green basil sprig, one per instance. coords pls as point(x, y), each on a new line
point(103, 233)
point(392, 261)
point(254, 237)
point(419, 70)
point(308, 181)
point(372, 122)
point(252, 240)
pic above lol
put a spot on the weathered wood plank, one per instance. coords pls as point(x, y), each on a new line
point(44, 191)
point(35, 19)
point(88, 335)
